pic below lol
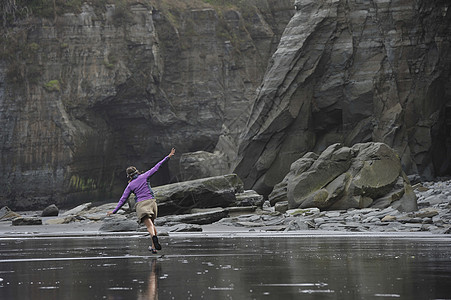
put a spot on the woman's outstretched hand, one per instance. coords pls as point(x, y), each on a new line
point(172, 152)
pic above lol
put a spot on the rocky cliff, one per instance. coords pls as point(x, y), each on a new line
point(354, 71)
point(87, 89)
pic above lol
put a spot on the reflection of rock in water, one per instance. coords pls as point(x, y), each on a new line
point(152, 284)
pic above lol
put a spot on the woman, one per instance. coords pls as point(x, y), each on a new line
point(146, 205)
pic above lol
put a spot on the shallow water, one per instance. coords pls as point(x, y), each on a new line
point(303, 267)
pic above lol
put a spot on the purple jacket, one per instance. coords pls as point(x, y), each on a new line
point(140, 186)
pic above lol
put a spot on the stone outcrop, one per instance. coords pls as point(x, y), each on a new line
point(365, 175)
point(91, 88)
point(201, 164)
point(349, 72)
point(181, 197)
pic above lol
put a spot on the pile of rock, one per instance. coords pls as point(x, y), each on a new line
point(433, 215)
point(361, 189)
point(195, 202)
point(364, 175)
point(434, 220)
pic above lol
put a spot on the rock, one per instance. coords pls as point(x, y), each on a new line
point(118, 223)
point(26, 221)
point(281, 207)
point(306, 212)
point(321, 88)
point(408, 202)
point(279, 193)
point(248, 198)
point(78, 210)
point(201, 218)
point(50, 211)
point(426, 213)
point(266, 205)
point(202, 164)
point(250, 224)
point(341, 178)
point(179, 198)
point(240, 210)
point(65, 220)
point(419, 187)
point(295, 225)
point(134, 56)
point(7, 214)
point(332, 214)
point(185, 228)
point(388, 218)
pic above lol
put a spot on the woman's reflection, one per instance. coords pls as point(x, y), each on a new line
point(152, 285)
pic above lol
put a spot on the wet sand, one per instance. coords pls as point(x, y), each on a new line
point(91, 229)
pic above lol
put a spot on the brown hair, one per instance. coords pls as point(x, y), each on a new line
point(131, 171)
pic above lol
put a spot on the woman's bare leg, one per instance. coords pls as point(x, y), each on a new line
point(150, 228)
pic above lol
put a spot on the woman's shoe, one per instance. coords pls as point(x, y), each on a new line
point(156, 243)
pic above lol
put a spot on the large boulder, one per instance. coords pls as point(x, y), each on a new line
point(365, 175)
point(181, 197)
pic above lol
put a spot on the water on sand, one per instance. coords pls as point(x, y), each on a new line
point(226, 267)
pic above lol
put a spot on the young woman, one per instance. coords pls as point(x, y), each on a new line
point(146, 205)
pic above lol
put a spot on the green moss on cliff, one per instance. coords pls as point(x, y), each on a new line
point(53, 86)
point(77, 183)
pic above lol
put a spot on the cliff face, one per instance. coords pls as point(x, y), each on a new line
point(85, 93)
point(88, 89)
point(354, 71)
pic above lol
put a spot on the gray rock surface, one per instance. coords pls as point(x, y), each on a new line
point(248, 198)
point(50, 211)
point(7, 214)
point(201, 164)
point(74, 86)
point(200, 218)
point(78, 210)
point(349, 72)
point(179, 198)
point(433, 216)
point(23, 221)
point(118, 223)
point(347, 177)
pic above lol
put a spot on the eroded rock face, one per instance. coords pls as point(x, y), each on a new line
point(349, 72)
point(86, 93)
point(201, 164)
point(362, 176)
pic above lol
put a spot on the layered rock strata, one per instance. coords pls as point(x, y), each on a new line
point(89, 89)
point(349, 72)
